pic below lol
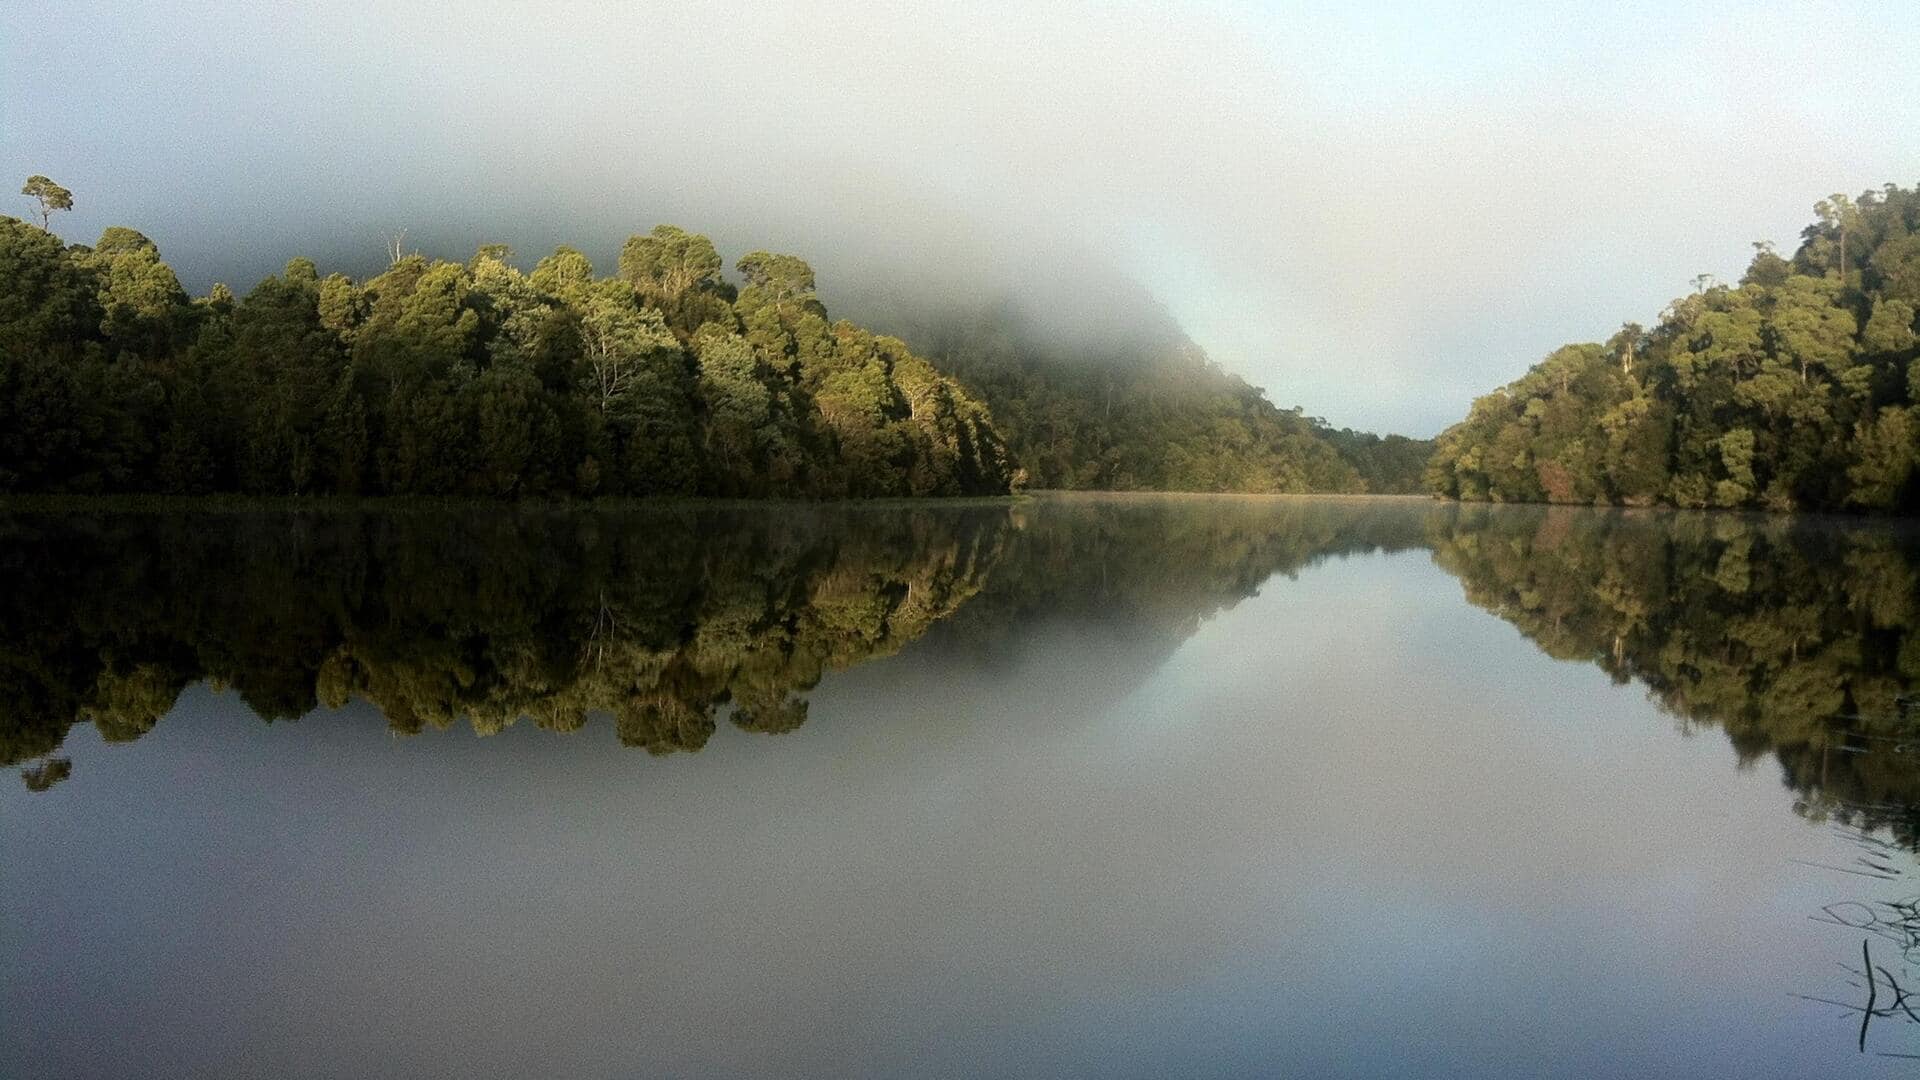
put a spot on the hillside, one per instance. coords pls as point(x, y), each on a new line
point(477, 379)
point(1145, 409)
point(444, 378)
point(1797, 388)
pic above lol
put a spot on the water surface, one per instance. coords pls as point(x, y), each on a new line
point(1103, 786)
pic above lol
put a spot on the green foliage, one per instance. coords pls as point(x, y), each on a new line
point(1387, 464)
point(50, 299)
point(475, 379)
point(1153, 413)
point(1793, 390)
point(670, 261)
point(465, 378)
point(49, 195)
point(776, 279)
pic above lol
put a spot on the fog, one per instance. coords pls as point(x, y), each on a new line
point(1375, 214)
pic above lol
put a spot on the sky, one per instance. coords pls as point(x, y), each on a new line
point(1376, 212)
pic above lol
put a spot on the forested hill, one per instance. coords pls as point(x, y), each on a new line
point(1144, 408)
point(476, 379)
point(464, 378)
point(1798, 388)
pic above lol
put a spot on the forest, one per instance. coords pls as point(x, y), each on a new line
point(1798, 388)
point(473, 379)
point(1150, 411)
point(665, 379)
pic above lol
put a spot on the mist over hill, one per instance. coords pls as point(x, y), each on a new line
point(669, 376)
point(1096, 385)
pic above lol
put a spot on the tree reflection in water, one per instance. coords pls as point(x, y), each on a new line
point(659, 618)
point(1795, 637)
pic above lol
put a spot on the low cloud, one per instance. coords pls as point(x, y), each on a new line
point(1375, 214)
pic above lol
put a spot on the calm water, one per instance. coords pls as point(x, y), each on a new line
point(1076, 787)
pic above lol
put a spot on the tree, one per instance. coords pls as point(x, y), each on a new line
point(565, 274)
point(143, 306)
point(1889, 329)
point(738, 403)
point(779, 279)
point(1887, 453)
point(669, 261)
point(1839, 215)
point(623, 342)
point(49, 195)
point(49, 299)
point(1767, 268)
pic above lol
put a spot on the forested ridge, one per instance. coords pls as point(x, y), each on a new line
point(476, 379)
point(1796, 389)
point(467, 378)
point(1150, 411)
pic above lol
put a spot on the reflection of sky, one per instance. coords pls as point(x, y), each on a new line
point(1376, 211)
point(1351, 827)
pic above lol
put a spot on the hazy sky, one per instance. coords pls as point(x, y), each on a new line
point(1374, 211)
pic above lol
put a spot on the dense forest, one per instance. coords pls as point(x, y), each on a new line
point(476, 379)
point(470, 379)
point(1797, 388)
point(1149, 411)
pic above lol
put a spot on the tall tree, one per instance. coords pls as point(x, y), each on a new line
point(49, 195)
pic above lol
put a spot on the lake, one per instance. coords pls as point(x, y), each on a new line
point(1155, 786)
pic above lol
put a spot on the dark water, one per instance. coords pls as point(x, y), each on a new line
point(1077, 787)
